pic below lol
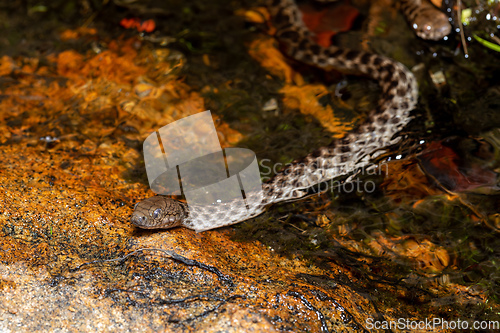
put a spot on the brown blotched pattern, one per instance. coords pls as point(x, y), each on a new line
point(343, 156)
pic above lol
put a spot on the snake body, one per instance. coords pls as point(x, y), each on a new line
point(343, 156)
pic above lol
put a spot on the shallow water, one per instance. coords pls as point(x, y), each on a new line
point(417, 238)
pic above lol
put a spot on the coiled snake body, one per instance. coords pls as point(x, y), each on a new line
point(343, 156)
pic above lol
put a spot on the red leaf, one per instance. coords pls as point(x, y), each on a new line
point(147, 26)
point(130, 23)
point(327, 22)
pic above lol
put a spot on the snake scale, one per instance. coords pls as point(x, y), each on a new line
point(343, 156)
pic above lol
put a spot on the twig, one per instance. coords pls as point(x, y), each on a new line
point(462, 35)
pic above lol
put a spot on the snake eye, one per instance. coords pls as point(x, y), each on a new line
point(156, 213)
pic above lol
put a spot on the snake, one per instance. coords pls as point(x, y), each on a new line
point(399, 95)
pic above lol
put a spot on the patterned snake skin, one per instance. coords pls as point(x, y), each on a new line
point(342, 157)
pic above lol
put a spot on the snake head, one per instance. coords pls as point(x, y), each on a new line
point(431, 24)
point(158, 213)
